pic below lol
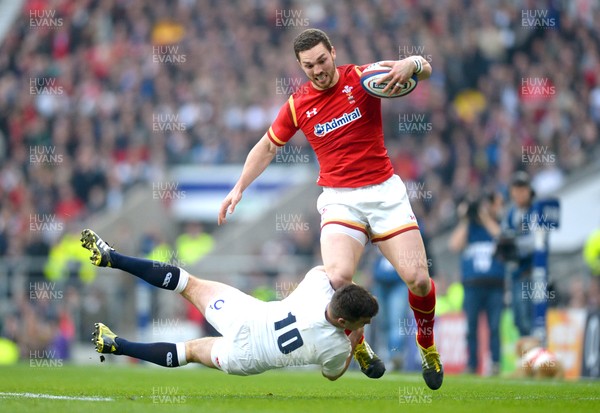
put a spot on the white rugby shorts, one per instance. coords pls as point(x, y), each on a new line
point(227, 313)
point(375, 212)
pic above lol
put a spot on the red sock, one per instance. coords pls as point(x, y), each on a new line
point(348, 332)
point(424, 311)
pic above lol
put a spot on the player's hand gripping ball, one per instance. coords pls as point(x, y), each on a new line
point(374, 72)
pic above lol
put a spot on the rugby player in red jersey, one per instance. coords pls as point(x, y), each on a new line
point(362, 198)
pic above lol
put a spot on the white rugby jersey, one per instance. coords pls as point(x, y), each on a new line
point(294, 331)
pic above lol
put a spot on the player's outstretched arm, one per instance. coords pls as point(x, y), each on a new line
point(257, 161)
point(337, 376)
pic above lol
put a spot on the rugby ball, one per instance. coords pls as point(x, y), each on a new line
point(374, 72)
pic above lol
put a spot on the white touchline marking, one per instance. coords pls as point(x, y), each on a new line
point(4, 395)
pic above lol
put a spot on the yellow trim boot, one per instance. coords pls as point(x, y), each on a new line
point(100, 249)
point(104, 339)
point(433, 370)
point(369, 363)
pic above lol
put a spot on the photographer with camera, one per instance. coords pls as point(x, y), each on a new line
point(516, 246)
point(482, 273)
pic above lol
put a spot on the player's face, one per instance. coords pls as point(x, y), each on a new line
point(318, 64)
point(521, 195)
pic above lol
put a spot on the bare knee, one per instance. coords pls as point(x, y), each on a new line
point(199, 351)
point(339, 275)
point(418, 282)
point(341, 254)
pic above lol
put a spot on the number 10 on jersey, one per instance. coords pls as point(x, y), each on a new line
point(289, 340)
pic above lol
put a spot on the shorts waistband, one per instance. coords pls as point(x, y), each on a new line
point(359, 188)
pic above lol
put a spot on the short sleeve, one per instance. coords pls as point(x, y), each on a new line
point(335, 365)
point(285, 124)
point(361, 68)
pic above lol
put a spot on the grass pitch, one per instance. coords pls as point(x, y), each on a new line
point(134, 388)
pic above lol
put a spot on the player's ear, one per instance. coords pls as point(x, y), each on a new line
point(333, 52)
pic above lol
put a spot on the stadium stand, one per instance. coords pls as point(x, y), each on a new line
point(97, 97)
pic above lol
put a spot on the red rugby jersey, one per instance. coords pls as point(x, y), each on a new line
point(343, 126)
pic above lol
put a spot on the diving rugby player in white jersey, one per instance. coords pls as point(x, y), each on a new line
point(314, 325)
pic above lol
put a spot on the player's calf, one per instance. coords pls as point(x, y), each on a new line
point(163, 354)
point(156, 273)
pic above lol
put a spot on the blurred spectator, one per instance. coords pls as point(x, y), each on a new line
point(36, 250)
point(577, 293)
point(69, 207)
point(594, 294)
point(193, 244)
point(591, 253)
point(392, 323)
point(517, 245)
point(68, 262)
point(482, 273)
point(130, 93)
point(155, 247)
point(40, 325)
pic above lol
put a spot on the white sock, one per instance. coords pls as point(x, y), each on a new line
point(181, 354)
point(184, 276)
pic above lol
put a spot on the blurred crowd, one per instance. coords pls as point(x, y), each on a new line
point(117, 91)
point(97, 96)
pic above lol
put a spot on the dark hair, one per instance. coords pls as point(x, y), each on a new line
point(352, 302)
point(520, 178)
point(308, 39)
